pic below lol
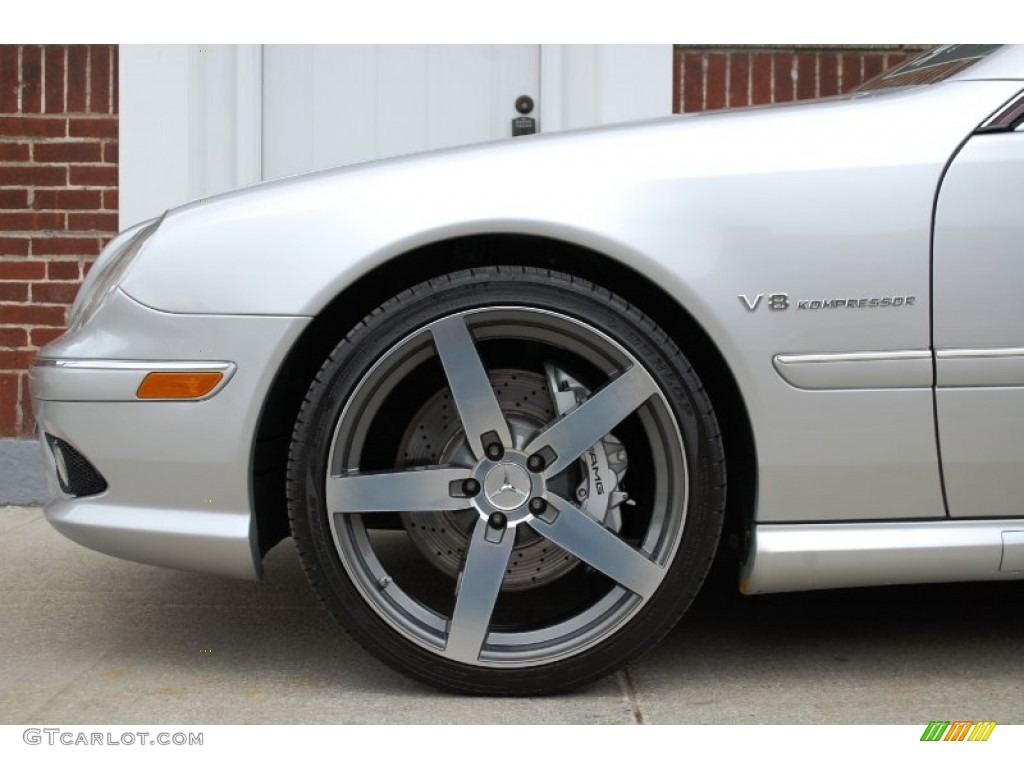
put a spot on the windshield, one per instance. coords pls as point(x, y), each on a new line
point(931, 67)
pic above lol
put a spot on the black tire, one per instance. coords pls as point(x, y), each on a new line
point(540, 596)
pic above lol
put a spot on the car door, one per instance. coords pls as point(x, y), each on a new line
point(979, 321)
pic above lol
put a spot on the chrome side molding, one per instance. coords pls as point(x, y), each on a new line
point(857, 370)
point(998, 367)
point(994, 367)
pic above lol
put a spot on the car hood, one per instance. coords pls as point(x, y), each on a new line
point(640, 193)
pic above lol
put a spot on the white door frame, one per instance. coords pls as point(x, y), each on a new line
point(191, 115)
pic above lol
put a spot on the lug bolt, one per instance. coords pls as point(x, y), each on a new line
point(497, 521)
point(470, 487)
point(537, 505)
point(535, 463)
point(494, 451)
point(581, 493)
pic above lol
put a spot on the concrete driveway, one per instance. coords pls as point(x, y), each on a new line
point(89, 639)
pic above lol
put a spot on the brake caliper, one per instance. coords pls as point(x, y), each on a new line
point(599, 493)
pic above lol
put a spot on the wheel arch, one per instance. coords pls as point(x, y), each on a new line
point(285, 397)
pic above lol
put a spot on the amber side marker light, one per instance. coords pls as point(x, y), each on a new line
point(172, 385)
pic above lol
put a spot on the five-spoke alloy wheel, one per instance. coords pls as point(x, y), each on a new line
point(458, 482)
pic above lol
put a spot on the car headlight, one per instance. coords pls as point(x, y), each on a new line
point(109, 270)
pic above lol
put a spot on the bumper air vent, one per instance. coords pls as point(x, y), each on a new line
point(77, 477)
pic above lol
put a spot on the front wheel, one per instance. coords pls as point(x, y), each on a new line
point(506, 481)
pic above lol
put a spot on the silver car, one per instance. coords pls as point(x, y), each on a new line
point(511, 400)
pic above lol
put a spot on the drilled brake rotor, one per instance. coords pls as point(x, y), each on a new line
point(435, 436)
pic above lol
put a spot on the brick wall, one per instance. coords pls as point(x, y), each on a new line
point(58, 197)
point(720, 76)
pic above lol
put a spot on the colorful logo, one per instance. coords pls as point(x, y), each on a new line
point(958, 730)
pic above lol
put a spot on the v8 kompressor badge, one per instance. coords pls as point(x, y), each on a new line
point(781, 301)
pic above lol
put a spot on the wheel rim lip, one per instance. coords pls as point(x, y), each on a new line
point(611, 612)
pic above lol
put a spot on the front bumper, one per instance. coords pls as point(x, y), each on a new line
point(178, 474)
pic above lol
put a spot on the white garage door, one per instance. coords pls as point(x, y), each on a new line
point(329, 105)
point(199, 120)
